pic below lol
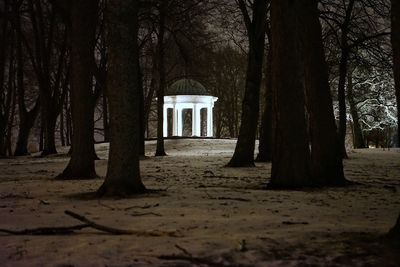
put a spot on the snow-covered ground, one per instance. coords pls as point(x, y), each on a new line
point(222, 216)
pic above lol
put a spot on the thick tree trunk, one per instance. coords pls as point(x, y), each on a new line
point(256, 29)
point(265, 145)
point(160, 150)
point(394, 233)
point(396, 58)
point(7, 104)
point(291, 155)
point(26, 123)
point(123, 173)
point(83, 35)
point(326, 159)
point(142, 143)
point(358, 137)
point(4, 52)
point(26, 118)
point(49, 128)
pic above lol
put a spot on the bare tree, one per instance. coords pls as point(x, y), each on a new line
point(48, 56)
point(123, 174)
point(291, 155)
point(256, 29)
point(27, 116)
point(326, 158)
point(83, 37)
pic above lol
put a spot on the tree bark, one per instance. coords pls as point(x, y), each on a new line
point(291, 155)
point(326, 159)
point(26, 117)
point(394, 233)
point(396, 58)
point(142, 143)
point(6, 100)
point(123, 173)
point(106, 125)
point(265, 145)
point(344, 57)
point(83, 37)
point(358, 137)
point(256, 29)
point(6, 48)
point(160, 150)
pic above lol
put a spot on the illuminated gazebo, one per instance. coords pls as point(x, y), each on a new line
point(188, 94)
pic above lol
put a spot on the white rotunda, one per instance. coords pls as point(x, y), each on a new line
point(188, 94)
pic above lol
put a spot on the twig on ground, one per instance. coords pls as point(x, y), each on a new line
point(63, 230)
point(291, 223)
point(228, 198)
point(25, 195)
point(183, 250)
point(145, 213)
point(234, 198)
point(143, 207)
point(116, 231)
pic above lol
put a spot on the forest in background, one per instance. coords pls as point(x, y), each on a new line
point(205, 40)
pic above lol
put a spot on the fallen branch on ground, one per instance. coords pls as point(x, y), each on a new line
point(116, 231)
point(63, 230)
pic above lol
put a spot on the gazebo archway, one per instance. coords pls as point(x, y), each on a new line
point(188, 94)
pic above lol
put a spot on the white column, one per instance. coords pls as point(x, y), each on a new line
point(175, 121)
point(209, 121)
point(194, 120)
point(179, 122)
point(165, 122)
point(198, 120)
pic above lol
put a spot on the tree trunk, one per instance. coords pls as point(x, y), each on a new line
point(4, 53)
point(26, 123)
point(68, 122)
point(326, 159)
point(142, 143)
point(394, 233)
point(48, 68)
point(106, 125)
point(396, 58)
point(291, 155)
point(160, 150)
point(49, 128)
point(358, 137)
point(123, 173)
point(265, 145)
point(26, 118)
point(7, 104)
point(256, 29)
point(344, 57)
point(342, 102)
point(83, 36)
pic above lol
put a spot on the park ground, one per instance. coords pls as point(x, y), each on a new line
point(201, 213)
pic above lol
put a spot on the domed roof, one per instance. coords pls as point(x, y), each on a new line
point(186, 87)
